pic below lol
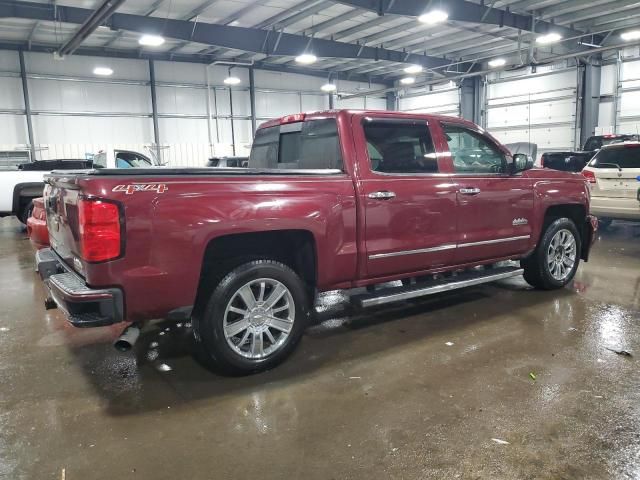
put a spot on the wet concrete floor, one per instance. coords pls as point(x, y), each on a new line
point(428, 389)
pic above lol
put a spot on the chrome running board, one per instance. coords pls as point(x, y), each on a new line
point(461, 280)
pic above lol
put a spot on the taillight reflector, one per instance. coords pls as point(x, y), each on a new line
point(589, 175)
point(99, 228)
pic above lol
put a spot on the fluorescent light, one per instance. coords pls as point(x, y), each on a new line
point(497, 62)
point(549, 38)
point(407, 80)
point(433, 16)
point(306, 58)
point(630, 35)
point(328, 87)
point(231, 80)
point(103, 71)
point(413, 69)
point(151, 40)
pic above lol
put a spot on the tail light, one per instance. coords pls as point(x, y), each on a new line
point(589, 175)
point(100, 232)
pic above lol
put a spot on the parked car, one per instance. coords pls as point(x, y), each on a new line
point(37, 225)
point(20, 184)
point(576, 161)
point(331, 200)
point(615, 190)
point(225, 162)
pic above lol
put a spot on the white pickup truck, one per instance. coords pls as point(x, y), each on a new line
point(19, 185)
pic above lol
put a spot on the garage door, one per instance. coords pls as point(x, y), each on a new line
point(539, 108)
point(629, 109)
point(445, 101)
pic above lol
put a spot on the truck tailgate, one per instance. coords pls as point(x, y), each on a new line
point(61, 195)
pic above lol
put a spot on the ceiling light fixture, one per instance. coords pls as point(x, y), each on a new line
point(434, 16)
point(306, 58)
point(328, 87)
point(407, 80)
point(497, 62)
point(549, 38)
point(413, 69)
point(231, 80)
point(151, 40)
point(102, 71)
point(630, 35)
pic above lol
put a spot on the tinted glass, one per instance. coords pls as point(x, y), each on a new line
point(594, 143)
point(400, 147)
point(130, 159)
point(313, 144)
point(473, 153)
point(623, 157)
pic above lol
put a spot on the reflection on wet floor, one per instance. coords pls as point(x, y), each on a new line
point(412, 390)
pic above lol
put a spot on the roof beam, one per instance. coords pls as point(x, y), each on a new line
point(463, 11)
point(93, 21)
point(240, 38)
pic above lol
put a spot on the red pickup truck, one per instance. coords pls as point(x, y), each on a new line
point(331, 200)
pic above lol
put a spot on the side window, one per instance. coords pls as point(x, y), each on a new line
point(313, 144)
point(471, 152)
point(400, 146)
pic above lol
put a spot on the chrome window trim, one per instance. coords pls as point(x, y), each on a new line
point(448, 246)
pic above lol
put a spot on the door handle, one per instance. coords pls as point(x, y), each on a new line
point(382, 195)
point(469, 191)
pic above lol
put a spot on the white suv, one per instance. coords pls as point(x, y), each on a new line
point(614, 176)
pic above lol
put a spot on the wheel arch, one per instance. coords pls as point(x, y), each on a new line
point(577, 213)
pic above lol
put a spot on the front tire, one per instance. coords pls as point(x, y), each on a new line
point(555, 260)
point(254, 318)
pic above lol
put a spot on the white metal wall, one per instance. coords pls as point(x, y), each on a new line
point(76, 113)
point(537, 108)
point(442, 99)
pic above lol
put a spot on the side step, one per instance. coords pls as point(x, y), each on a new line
point(462, 280)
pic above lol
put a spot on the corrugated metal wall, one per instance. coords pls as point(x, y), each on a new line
point(76, 113)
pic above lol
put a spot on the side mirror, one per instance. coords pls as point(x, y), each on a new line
point(521, 162)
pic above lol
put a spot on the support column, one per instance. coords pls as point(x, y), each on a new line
point(471, 99)
point(27, 105)
point(590, 101)
point(252, 99)
point(154, 109)
point(392, 101)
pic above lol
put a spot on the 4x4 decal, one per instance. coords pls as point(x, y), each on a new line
point(141, 187)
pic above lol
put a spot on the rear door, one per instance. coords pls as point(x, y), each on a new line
point(409, 202)
point(494, 208)
point(616, 170)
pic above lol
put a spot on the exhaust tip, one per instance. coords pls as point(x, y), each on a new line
point(122, 345)
point(127, 339)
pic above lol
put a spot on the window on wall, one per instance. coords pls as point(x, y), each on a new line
point(313, 144)
point(400, 146)
point(473, 153)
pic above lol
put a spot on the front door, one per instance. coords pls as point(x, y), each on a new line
point(494, 207)
point(409, 205)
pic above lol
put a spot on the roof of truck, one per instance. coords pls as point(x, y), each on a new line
point(299, 117)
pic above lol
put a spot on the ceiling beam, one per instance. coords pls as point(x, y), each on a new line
point(186, 58)
point(463, 11)
point(96, 18)
point(241, 38)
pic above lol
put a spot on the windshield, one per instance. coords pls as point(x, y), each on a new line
point(623, 157)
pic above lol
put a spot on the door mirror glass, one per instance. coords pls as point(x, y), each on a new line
point(521, 162)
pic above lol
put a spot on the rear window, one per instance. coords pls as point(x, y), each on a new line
point(309, 145)
point(623, 157)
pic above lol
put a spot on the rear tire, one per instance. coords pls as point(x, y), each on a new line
point(253, 320)
point(26, 212)
point(555, 260)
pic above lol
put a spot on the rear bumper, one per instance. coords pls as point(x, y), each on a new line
point(617, 208)
point(83, 306)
